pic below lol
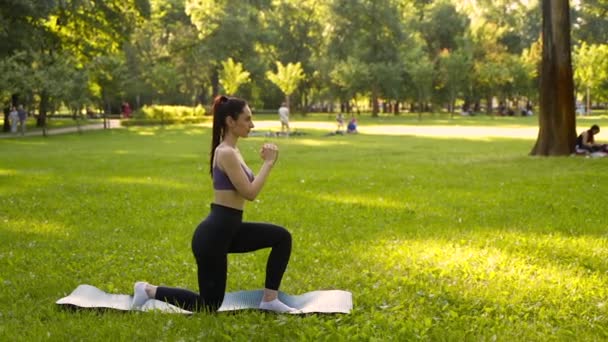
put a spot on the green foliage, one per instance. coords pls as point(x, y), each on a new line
point(420, 69)
point(591, 66)
point(502, 247)
point(349, 77)
point(287, 77)
point(455, 73)
point(232, 76)
point(177, 113)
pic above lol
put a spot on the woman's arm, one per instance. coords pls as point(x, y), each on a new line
point(231, 164)
point(586, 141)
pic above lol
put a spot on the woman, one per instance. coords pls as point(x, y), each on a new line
point(586, 141)
point(223, 231)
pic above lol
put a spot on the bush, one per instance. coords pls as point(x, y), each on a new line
point(152, 122)
point(168, 113)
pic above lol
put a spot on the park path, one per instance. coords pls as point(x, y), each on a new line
point(113, 123)
point(438, 131)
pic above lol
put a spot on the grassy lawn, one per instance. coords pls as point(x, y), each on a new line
point(54, 123)
point(437, 238)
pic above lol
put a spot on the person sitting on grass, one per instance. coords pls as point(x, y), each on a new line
point(586, 141)
point(352, 125)
point(223, 231)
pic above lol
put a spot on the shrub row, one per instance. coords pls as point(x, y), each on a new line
point(167, 115)
point(169, 112)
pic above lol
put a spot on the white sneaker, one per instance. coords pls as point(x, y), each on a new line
point(140, 296)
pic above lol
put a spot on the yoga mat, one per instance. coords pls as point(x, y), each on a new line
point(328, 301)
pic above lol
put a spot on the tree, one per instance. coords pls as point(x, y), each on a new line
point(232, 76)
point(420, 70)
point(454, 70)
point(227, 28)
point(491, 63)
point(349, 77)
point(557, 134)
point(590, 68)
point(591, 21)
point(287, 78)
point(293, 32)
point(371, 32)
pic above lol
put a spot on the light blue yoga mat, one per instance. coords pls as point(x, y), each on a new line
point(327, 301)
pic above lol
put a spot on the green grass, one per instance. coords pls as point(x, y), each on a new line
point(437, 239)
point(53, 123)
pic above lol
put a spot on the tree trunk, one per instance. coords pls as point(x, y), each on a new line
point(215, 83)
point(588, 107)
point(375, 107)
point(44, 107)
point(489, 105)
point(304, 103)
point(557, 131)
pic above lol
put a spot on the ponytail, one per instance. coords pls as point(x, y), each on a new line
point(223, 107)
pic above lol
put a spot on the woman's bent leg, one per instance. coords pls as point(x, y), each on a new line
point(212, 284)
point(254, 236)
point(212, 272)
point(182, 298)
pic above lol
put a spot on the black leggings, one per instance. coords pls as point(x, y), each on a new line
point(223, 232)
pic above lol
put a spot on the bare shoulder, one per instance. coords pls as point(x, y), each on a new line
point(226, 155)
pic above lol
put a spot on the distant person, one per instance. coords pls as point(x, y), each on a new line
point(22, 119)
point(340, 121)
point(580, 109)
point(529, 111)
point(464, 111)
point(284, 118)
point(352, 126)
point(586, 141)
point(126, 110)
point(13, 117)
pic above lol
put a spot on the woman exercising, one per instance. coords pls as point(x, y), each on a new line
point(224, 231)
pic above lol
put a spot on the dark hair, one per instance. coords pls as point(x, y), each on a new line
point(223, 107)
point(595, 128)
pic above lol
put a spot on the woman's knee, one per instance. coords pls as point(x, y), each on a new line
point(285, 235)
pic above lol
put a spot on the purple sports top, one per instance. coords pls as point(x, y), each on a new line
point(222, 182)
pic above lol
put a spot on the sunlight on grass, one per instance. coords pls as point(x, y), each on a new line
point(8, 172)
point(381, 202)
point(316, 142)
point(501, 278)
point(147, 181)
point(464, 132)
point(32, 226)
point(146, 132)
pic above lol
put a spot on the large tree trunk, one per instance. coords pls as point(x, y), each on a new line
point(588, 106)
point(489, 109)
point(44, 108)
point(375, 106)
point(215, 83)
point(557, 131)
